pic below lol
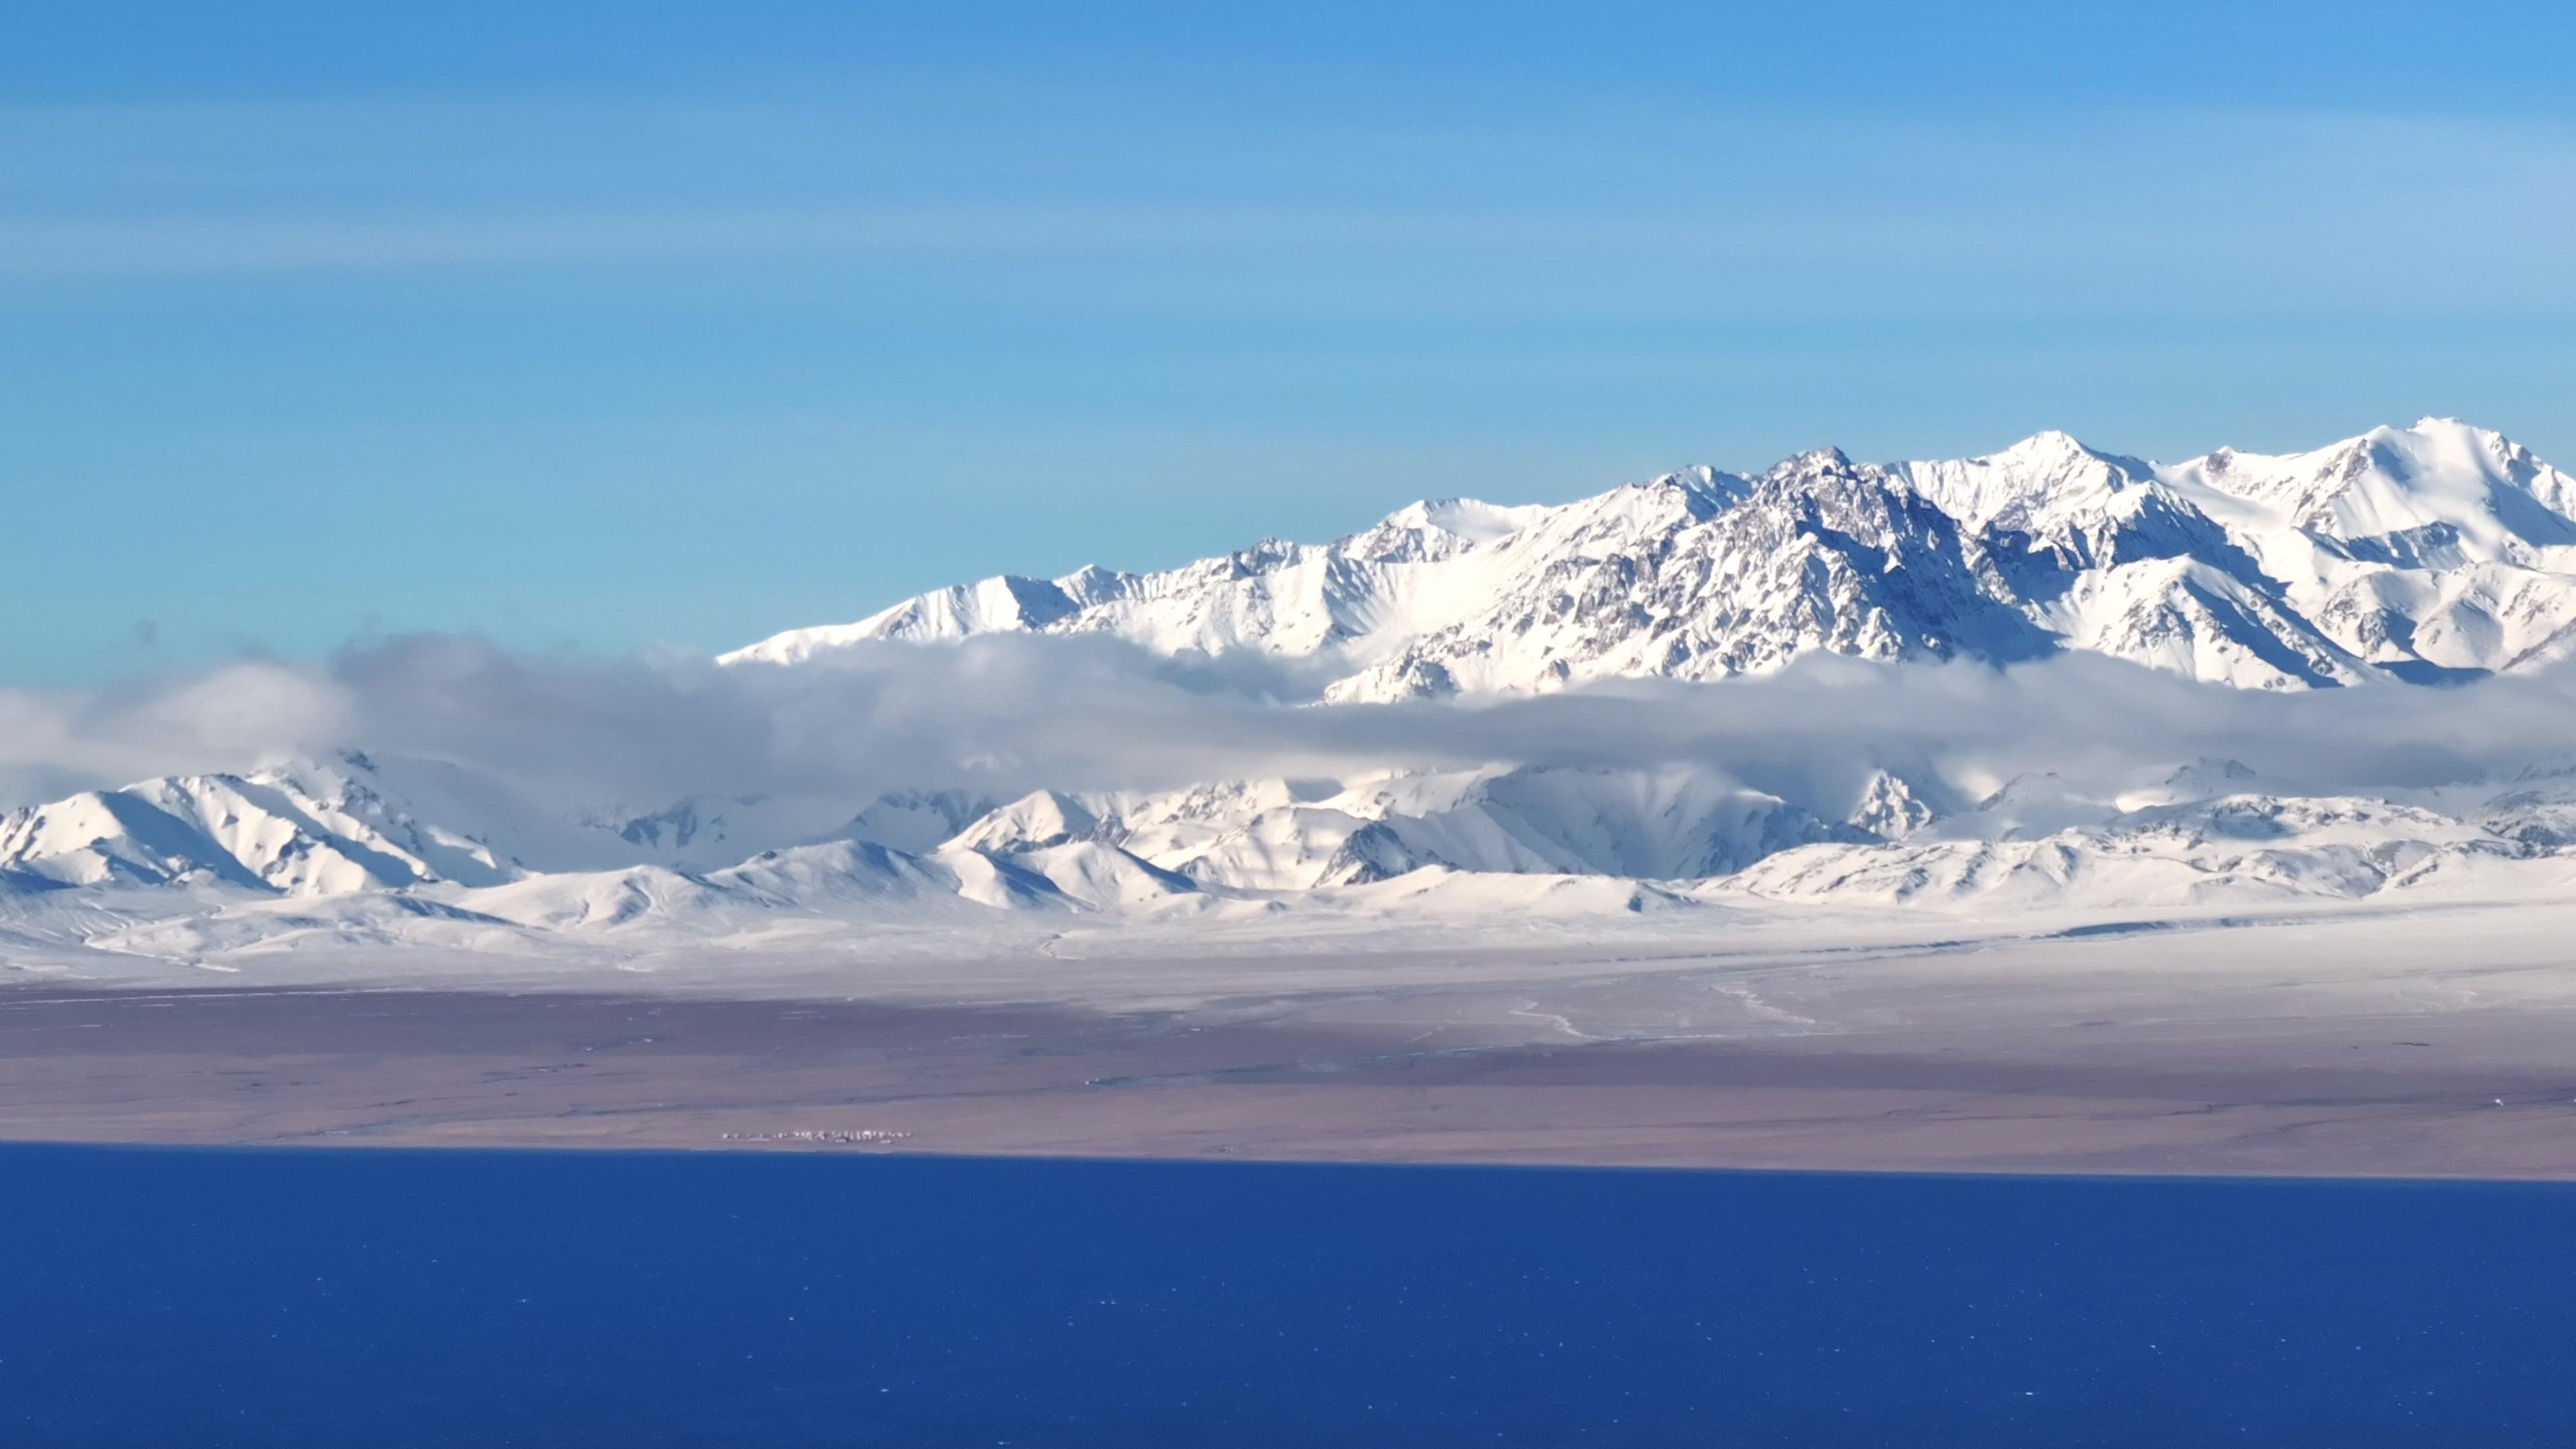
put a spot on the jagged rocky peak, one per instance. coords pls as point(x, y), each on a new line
point(1815, 462)
point(1889, 809)
point(2432, 553)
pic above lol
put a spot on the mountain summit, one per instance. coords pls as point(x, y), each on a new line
point(2431, 553)
point(2424, 554)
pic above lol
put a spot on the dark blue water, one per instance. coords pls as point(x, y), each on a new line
point(355, 1298)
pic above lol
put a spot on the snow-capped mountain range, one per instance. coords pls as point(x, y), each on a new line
point(2436, 552)
point(2399, 559)
point(335, 854)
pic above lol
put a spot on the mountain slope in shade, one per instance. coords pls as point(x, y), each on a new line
point(2424, 554)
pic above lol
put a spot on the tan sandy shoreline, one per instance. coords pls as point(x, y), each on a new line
point(2474, 1094)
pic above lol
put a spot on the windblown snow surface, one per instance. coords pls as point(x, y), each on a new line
point(2403, 564)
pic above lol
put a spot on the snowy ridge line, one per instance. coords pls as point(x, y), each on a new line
point(2436, 553)
point(2428, 554)
point(336, 854)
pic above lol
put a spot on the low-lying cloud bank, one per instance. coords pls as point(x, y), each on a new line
point(1005, 714)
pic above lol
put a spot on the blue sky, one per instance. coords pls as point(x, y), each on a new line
point(629, 325)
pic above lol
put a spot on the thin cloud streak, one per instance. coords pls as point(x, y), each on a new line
point(2295, 208)
point(181, 244)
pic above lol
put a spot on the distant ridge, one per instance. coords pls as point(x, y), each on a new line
point(2436, 553)
point(2427, 554)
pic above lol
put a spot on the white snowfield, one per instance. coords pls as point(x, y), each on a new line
point(2434, 552)
point(2395, 560)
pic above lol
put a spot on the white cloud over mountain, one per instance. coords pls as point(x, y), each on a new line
point(2052, 678)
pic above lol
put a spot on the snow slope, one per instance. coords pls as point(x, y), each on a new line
point(313, 829)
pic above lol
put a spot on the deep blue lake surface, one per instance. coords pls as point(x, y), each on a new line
point(395, 1298)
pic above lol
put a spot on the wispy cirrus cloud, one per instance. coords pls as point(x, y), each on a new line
point(1690, 203)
